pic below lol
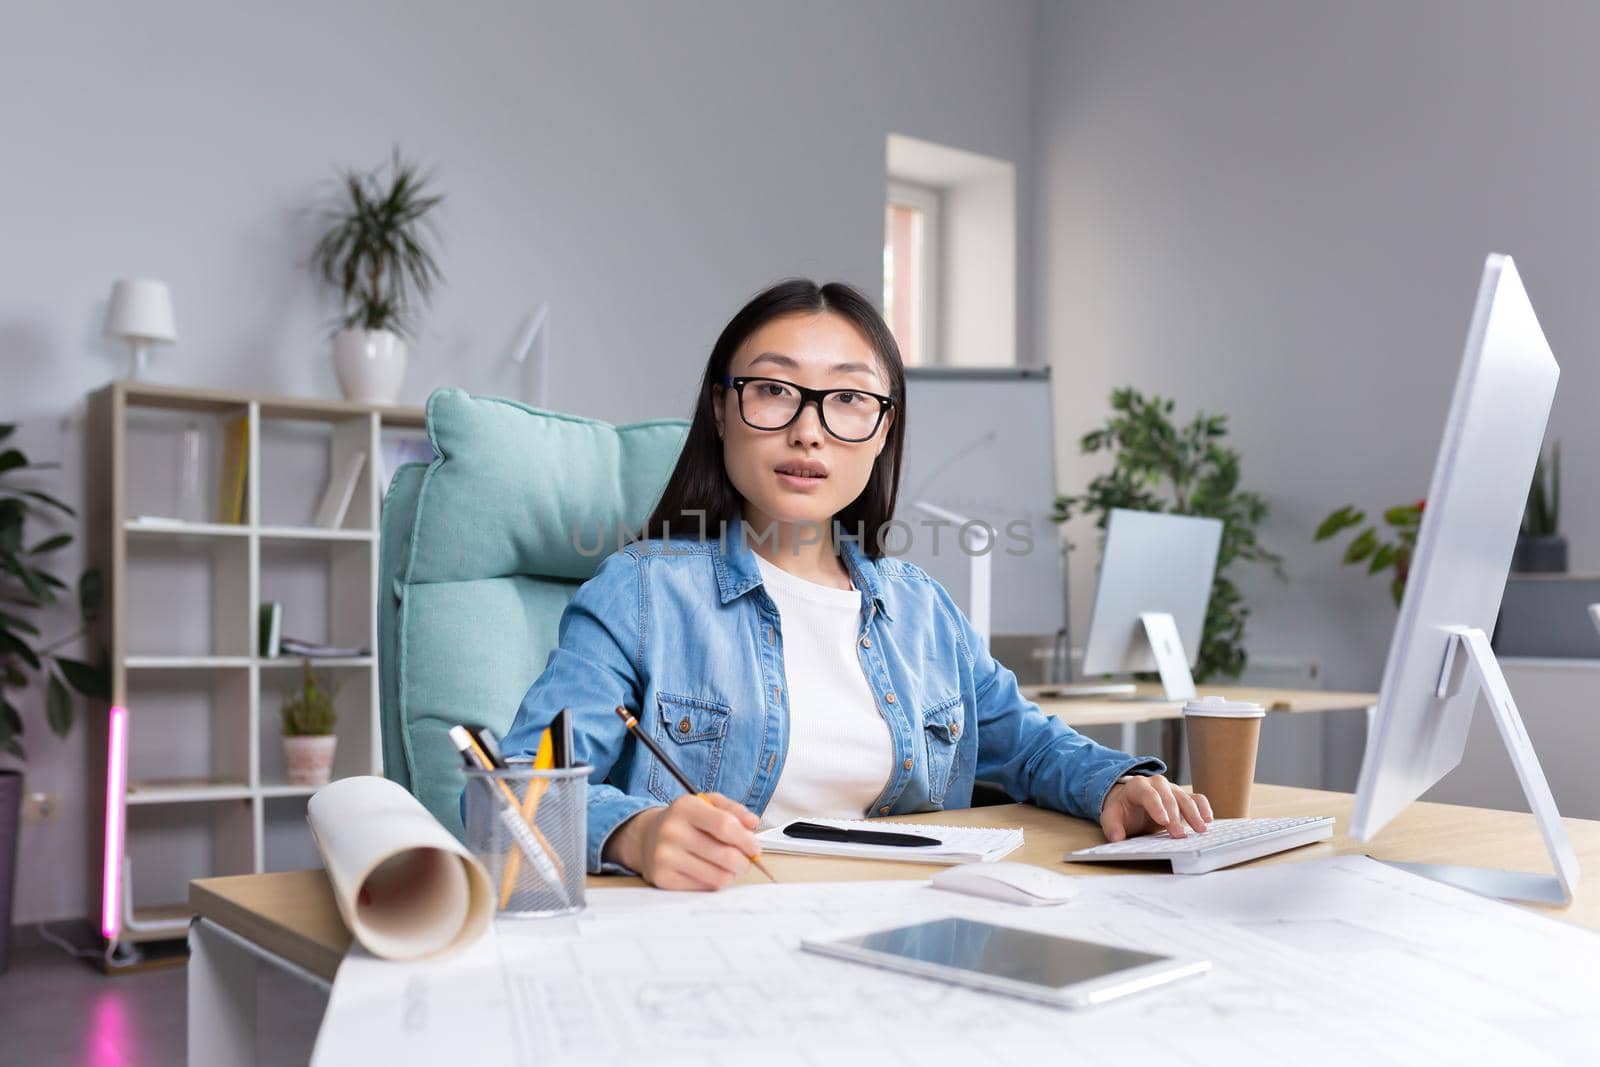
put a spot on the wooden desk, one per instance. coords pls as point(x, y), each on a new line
point(1148, 705)
point(292, 914)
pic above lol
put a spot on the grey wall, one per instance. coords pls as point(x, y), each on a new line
point(642, 167)
point(1280, 211)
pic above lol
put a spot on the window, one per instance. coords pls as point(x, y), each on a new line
point(910, 271)
point(950, 255)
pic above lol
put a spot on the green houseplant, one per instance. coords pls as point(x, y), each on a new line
point(1158, 465)
point(377, 255)
point(309, 719)
point(28, 587)
point(1388, 550)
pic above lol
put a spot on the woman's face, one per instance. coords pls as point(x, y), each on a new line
point(820, 350)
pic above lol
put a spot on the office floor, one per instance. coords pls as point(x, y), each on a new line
point(58, 1010)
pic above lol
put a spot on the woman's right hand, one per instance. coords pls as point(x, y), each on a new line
point(690, 845)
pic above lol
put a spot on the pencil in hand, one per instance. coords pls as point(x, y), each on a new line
point(649, 742)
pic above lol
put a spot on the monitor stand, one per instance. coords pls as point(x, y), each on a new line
point(1161, 629)
point(1468, 650)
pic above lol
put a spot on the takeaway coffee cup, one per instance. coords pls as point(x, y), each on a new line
point(1222, 736)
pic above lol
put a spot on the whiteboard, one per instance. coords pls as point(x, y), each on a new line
point(980, 441)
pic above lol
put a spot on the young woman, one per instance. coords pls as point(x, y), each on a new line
point(788, 665)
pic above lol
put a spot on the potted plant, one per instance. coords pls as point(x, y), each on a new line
point(1540, 547)
point(27, 589)
point(1375, 550)
point(308, 739)
point(1158, 466)
point(376, 254)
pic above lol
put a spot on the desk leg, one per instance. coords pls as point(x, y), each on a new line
point(222, 998)
point(1129, 741)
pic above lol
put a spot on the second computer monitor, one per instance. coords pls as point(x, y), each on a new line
point(1439, 660)
point(1153, 565)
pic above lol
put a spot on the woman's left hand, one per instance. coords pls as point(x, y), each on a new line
point(1143, 804)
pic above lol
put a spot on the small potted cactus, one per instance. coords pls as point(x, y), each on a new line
point(308, 738)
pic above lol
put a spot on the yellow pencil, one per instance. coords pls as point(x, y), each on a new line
point(543, 760)
point(482, 759)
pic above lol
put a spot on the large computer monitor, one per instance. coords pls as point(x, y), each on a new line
point(1151, 597)
point(1439, 657)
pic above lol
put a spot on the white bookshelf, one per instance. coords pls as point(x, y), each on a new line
point(204, 791)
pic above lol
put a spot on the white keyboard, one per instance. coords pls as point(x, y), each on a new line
point(1225, 842)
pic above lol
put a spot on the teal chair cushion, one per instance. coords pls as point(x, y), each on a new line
point(481, 551)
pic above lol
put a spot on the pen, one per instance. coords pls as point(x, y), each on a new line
point(818, 832)
point(544, 759)
point(672, 768)
point(486, 741)
point(489, 759)
point(525, 834)
point(488, 756)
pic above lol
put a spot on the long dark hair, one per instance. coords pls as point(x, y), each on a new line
point(700, 499)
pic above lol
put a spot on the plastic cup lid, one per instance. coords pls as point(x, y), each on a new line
point(1225, 709)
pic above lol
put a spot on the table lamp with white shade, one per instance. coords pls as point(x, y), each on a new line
point(141, 314)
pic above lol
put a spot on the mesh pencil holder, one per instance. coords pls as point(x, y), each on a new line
point(536, 865)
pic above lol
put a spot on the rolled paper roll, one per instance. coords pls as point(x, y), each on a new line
point(407, 889)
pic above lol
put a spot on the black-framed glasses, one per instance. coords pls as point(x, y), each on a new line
point(772, 404)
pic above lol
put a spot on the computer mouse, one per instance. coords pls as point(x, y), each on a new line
point(1015, 883)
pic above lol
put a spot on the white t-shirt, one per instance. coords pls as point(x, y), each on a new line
point(840, 753)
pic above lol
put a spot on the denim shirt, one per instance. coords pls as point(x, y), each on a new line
point(684, 634)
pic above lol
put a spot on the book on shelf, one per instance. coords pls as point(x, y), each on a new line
point(270, 629)
point(341, 488)
point(291, 646)
point(234, 472)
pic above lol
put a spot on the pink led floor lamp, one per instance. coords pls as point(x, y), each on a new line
point(116, 887)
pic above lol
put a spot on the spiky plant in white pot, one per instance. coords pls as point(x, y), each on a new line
point(378, 255)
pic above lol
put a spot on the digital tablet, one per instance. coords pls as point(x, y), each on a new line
point(1054, 970)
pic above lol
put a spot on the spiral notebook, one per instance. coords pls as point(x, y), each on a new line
point(957, 844)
